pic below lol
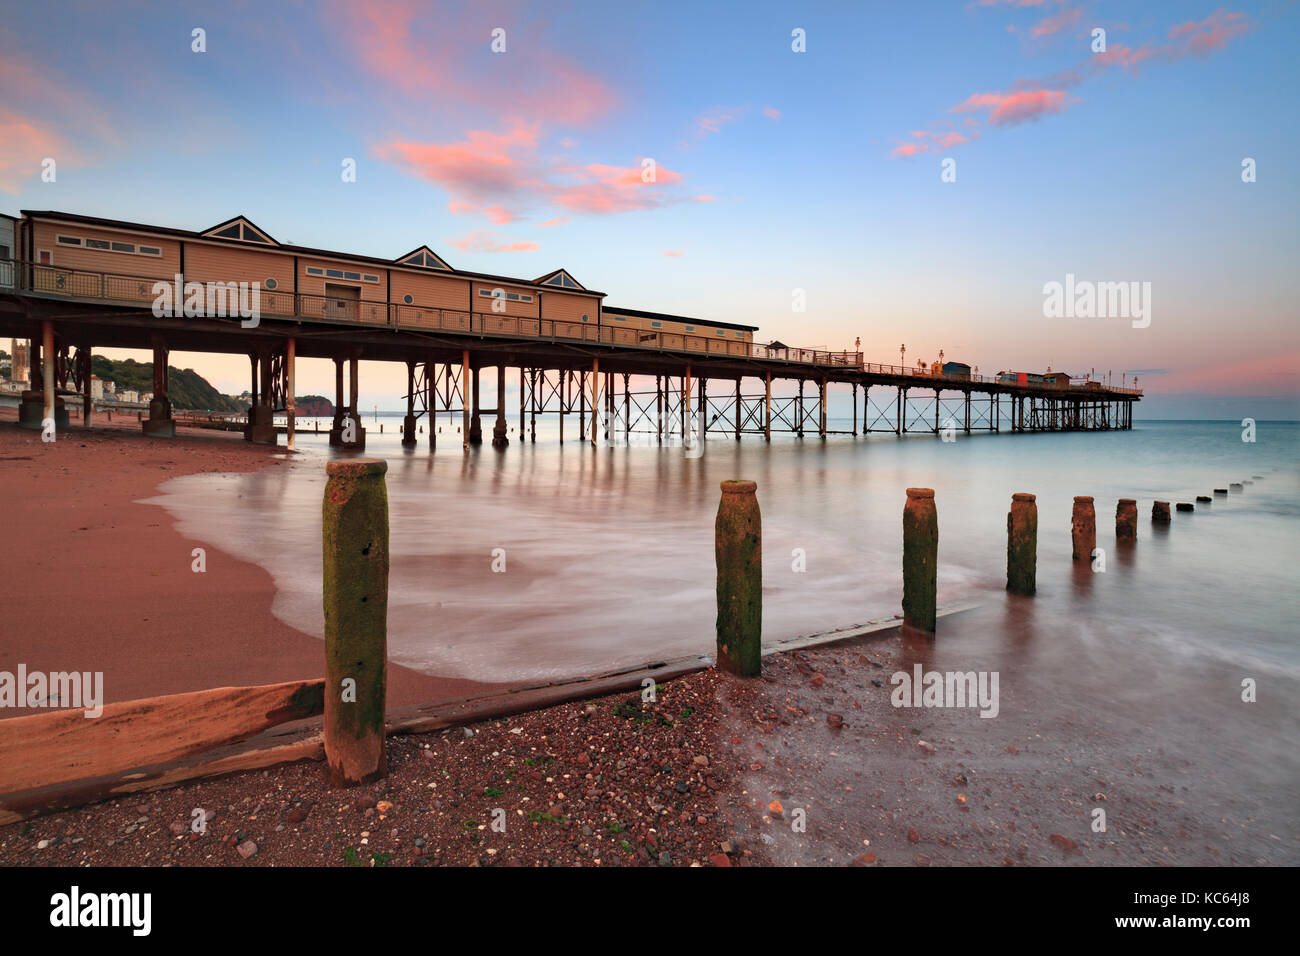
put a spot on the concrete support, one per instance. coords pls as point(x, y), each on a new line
point(355, 591)
point(340, 409)
point(1022, 544)
point(290, 405)
point(1083, 529)
point(595, 400)
point(499, 429)
point(32, 405)
point(408, 421)
point(160, 423)
point(738, 550)
point(475, 421)
point(87, 402)
point(464, 391)
point(767, 408)
point(920, 560)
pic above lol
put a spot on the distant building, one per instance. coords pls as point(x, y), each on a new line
point(96, 388)
point(130, 396)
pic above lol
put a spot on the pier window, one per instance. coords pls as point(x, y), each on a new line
point(512, 297)
point(656, 325)
point(690, 328)
point(106, 245)
point(408, 298)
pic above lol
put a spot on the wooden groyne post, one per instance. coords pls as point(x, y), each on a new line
point(1083, 528)
point(354, 519)
point(738, 543)
point(1022, 544)
point(1126, 519)
point(1160, 512)
point(920, 559)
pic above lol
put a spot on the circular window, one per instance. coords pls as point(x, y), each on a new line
point(271, 284)
point(408, 298)
point(585, 319)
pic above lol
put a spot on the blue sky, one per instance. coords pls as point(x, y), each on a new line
point(777, 170)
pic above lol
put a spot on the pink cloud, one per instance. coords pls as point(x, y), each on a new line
point(714, 120)
point(430, 59)
point(24, 143)
point(1015, 106)
point(1063, 20)
point(910, 149)
point(558, 221)
point(484, 241)
point(673, 253)
point(950, 139)
point(1212, 33)
point(771, 112)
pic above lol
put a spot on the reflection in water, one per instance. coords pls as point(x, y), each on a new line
point(609, 551)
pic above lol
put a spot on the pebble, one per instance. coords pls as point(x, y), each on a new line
point(246, 849)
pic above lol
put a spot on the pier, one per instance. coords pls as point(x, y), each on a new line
point(603, 373)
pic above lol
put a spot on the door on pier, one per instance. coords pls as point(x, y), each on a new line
point(341, 301)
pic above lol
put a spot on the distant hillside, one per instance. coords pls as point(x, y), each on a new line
point(188, 390)
point(313, 406)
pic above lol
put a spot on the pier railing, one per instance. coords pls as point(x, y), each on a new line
point(138, 290)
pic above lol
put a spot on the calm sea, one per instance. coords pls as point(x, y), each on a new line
point(608, 552)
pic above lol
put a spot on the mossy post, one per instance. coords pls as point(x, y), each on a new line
point(1022, 544)
point(920, 559)
point(738, 544)
point(354, 518)
point(1083, 528)
point(1126, 519)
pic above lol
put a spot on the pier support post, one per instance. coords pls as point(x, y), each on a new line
point(464, 399)
point(160, 423)
point(821, 408)
point(738, 546)
point(920, 560)
point(31, 407)
point(475, 422)
point(1160, 512)
point(1083, 528)
point(336, 426)
point(686, 406)
point(48, 394)
point(499, 439)
point(355, 589)
point(1022, 544)
point(408, 421)
point(290, 405)
point(1126, 519)
point(84, 373)
point(595, 401)
point(767, 408)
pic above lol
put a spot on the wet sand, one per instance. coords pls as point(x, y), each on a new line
point(96, 581)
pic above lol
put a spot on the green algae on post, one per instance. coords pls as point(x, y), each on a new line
point(920, 559)
point(354, 542)
point(738, 544)
point(1022, 544)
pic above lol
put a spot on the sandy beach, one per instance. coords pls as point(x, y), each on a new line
point(96, 581)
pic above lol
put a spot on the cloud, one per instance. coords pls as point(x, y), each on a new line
point(911, 149)
point(558, 221)
point(24, 144)
point(771, 112)
point(429, 61)
point(673, 253)
point(1212, 33)
point(713, 121)
point(1015, 106)
point(484, 241)
point(1062, 20)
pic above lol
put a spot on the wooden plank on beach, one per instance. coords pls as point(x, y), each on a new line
point(45, 749)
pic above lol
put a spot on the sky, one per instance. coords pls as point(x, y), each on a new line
point(799, 153)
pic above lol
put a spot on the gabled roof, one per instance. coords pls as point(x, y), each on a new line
point(424, 257)
point(561, 279)
point(242, 229)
